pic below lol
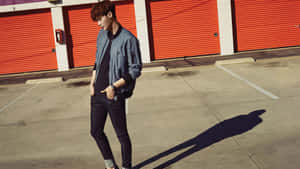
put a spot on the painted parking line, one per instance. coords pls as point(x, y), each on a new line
point(17, 99)
point(269, 94)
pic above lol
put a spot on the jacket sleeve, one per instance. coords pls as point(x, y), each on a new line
point(134, 58)
point(98, 41)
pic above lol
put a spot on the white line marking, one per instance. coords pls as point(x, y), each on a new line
point(17, 99)
point(248, 82)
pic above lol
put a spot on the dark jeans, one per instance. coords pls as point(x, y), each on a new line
point(100, 107)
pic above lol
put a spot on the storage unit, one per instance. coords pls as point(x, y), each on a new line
point(26, 42)
point(82, 31)
point(266, 24)
point(184, 28)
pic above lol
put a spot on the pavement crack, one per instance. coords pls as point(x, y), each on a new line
point(197, 93)
point(23, 123)
point(17, 99)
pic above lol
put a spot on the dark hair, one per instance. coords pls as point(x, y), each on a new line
point(102, 8)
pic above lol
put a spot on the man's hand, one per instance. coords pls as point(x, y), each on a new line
point(110, 92)
point(92, 90)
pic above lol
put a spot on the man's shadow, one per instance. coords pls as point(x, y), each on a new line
point(227, 128)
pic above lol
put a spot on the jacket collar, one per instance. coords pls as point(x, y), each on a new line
point(111, 36)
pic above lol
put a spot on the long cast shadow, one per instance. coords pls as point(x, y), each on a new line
point(227, 128)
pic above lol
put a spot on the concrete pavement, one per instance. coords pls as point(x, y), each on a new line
point(192, 118)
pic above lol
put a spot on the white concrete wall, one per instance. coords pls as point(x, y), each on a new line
point(45, 4)
point(142, 29)
point(61, 49)
point(225, 27)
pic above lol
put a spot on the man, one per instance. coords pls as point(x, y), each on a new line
point(118, 65)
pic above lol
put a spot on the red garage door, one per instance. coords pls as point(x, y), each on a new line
point(267, 24)
point(26, 42)
point(184, 28)
point(82, 31)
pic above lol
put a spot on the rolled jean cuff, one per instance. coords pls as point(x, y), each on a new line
point(109, 163)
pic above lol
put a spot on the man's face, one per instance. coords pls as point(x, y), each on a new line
point(105, 21)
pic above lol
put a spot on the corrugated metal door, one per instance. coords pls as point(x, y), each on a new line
point(26, 42)
point(82, 31)
point(184, 28)
point(294, 22)
point(266, 24)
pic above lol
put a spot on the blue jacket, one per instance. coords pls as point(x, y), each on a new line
point(125, 58)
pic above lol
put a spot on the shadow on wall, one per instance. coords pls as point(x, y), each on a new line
point(56, 1)
point(234, 26)
point(69, 39)
point(225, 129)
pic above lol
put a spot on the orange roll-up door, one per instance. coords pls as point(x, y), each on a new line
point(294, 22)
point(184, 28)
point(266, 24)
point(26, 42)
point(82, 31)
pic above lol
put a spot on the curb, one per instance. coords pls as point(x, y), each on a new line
point(47, 80)
point(235, 61)
point(155, 66)
point(154, 69)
